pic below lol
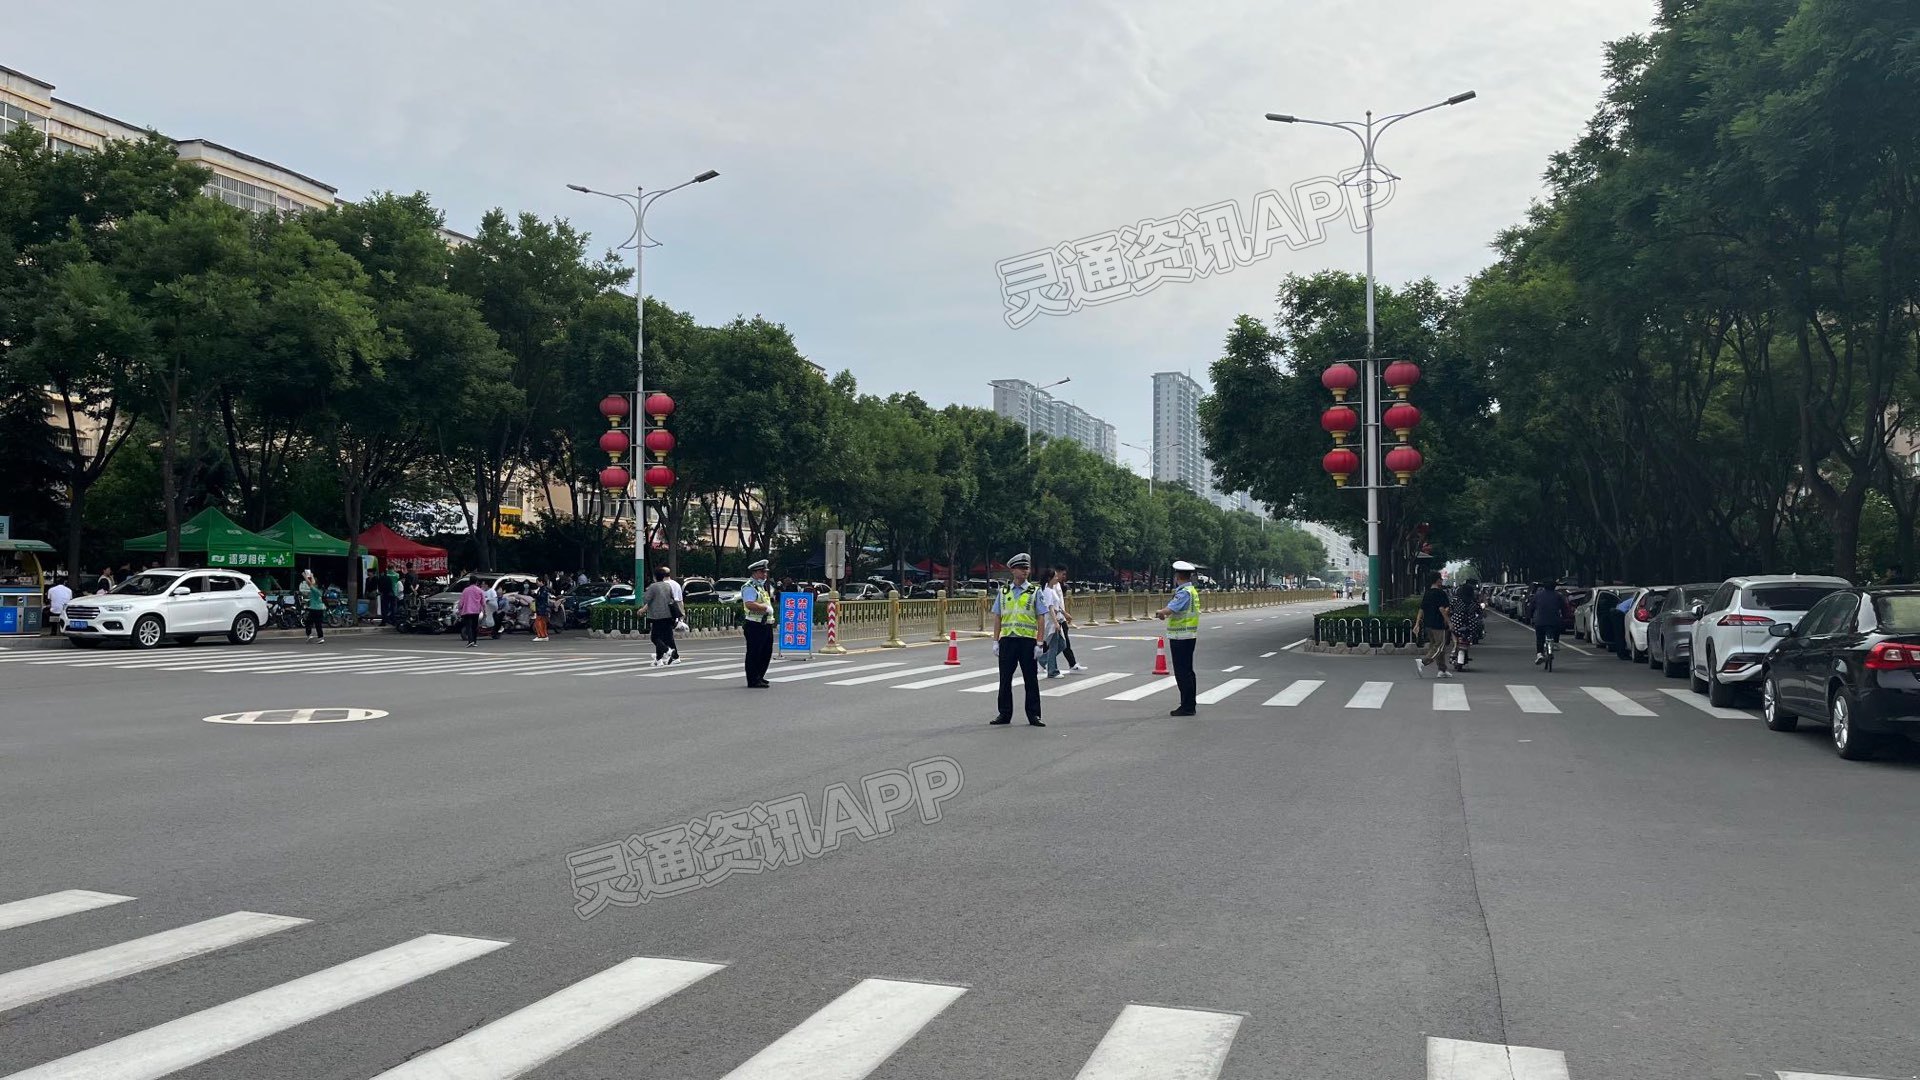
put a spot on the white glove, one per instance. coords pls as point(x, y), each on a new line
point(996, 648)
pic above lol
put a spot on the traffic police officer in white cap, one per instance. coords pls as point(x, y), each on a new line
point(757, 597)
point(1183, 632)
point(1018, 611)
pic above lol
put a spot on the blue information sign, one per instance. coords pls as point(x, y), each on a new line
point(795, 628)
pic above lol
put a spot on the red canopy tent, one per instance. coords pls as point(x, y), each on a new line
point(396, 552)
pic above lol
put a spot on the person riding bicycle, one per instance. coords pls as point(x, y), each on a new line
point(1550, 612)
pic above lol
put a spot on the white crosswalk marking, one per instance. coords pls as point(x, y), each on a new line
point(1449, 697)
point(1621, 704)
point(989, 688)
point(1087, 683)
point(197, 1037)
point(964, 676)
point(53, 905)
point(1139, 692)
point(1231, 670)
point(1453, 1059)
point(1531, 700)
point(30, 984)
point(826, 671)
point(816, 663)
point(527, 1039)
point(1296, 692)
point(1148, 1042)
point(1265, 655)
point(853, 1035)
point(886, 675)
point(1224, 691)
point(1104, 648)
point(1371, 695)
point(687, 667)
point(1814, 1076)
point(1701, 703)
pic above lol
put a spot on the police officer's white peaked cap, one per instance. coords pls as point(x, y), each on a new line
point(761, 565)
point(1022, 559)
point(1182, 564)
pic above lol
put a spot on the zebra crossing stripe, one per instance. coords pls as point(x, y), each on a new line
point(1138, 692)
point(1371, 695)
point(988, 688)
point(1087, 683)
point(1148, 1042)
point(1449, 697)
point(1531, 700)
point(853, 1035)
point(515, 1044)
point(53, 905)
point(1298, 691)
point(824, 672)
point(197, 1037)
point(816, 663)
point(964, 676)
point(1453, 1059)
point(1224, 691)
point(686, 668)
point(885, 675)
point(1704, 706)
point(1814, 1076)
point(30, 984)
point(1621, 704)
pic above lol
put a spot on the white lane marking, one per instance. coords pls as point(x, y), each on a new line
point(687, 668)
point(1621, 704)
point(1231, 670)
point(964, 676)
point(1371, 695)
point(623, 667)
point(53, 905)
point(986, 688)
point(823, 671)
point(197, 1037)
point(885, 675)
point(1078, 685)
point(1453, 1059)
point(1814, 1076)
point(1449, 697)
point(528, 1038)
point(1224, 691)
point(853, 1035)
point(1265, 655)
point(812, 663)
point(1298, 691)
point(1700, 702)
point(1101, 648)
point(41, 981)
point(1531, 700)
point(1148, 1042)
point(1139, 692)
point(1295, 645)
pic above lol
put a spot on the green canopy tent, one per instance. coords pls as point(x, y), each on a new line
point(298, 533)
point(214, 535)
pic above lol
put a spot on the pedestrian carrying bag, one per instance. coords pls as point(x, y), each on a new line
point(486, 618)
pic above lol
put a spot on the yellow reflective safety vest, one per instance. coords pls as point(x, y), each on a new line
point(1185, 624)
point(760, 593)
point(1017, 617)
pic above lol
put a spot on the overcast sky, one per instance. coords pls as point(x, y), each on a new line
point(878, 160)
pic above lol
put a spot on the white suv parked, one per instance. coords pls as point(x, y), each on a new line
point(182, 604)
point(1730, 640)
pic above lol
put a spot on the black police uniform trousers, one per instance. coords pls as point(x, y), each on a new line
point(1180, 651)
point(759, 650)
point(1018, 652)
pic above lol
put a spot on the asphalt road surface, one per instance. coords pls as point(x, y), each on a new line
point(1336, 871)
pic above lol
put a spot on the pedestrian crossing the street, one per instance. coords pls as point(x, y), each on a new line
point(848, 1037)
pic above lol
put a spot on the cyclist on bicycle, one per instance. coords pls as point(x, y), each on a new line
point(1550, 613)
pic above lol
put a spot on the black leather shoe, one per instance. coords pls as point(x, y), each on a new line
point(1181, 712)
point(1035, 721)
point(759, 686)
point(1001, 720)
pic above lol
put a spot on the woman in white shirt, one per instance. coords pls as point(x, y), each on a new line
point(1050, 631)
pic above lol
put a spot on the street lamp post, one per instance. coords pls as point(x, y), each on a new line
point(1030, 396)
point(638, 202)
point(1367, 179)
point(1149, 454)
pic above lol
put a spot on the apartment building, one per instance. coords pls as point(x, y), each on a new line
point(1031, 407)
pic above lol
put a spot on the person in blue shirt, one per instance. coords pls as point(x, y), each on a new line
point(1019, 610)
point(756, 621)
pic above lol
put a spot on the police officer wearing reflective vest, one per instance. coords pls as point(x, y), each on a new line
point(1183, 632)
point(1017, 612)
point(756, 621)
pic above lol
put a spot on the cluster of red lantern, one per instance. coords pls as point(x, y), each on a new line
point(1401, 418)
point(658, 442)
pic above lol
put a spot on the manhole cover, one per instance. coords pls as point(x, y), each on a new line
point(296, 716)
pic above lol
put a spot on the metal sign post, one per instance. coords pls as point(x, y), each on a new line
point(836, 559)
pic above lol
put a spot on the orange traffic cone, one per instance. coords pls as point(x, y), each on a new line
point(1160, 657)
point(953, 648)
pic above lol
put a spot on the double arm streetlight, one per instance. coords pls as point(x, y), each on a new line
point(1031, 394)
point(1367, 179)
point(638, 201)
point(1150, 463)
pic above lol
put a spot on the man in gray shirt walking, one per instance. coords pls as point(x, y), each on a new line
point(663, 610)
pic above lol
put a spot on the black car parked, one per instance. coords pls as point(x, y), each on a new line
point(1853, 662)
point(1670, 636)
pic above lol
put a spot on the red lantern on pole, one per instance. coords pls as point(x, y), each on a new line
point(659, 443)
point(659, 478)
point(1403, 462)
point(613, 478)
point(615, 444)
point(1339, 420)
point(1340, 378)
point(1400, 377)
point(615, 408)
point(659, 406)
point(1342, 463)
point(1402, 419)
